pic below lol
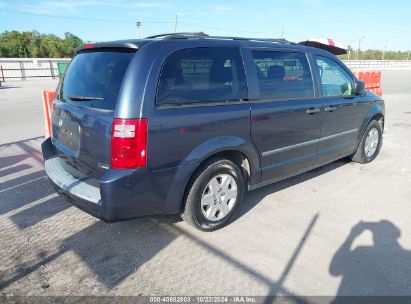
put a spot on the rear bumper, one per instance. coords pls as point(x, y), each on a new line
point(116, 195)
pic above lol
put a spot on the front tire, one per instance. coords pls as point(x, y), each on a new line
point(214, 194)
point(370, 144)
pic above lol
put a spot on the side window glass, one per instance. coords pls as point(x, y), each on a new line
point(283, 75)
point(335, 81)
point(202, 75)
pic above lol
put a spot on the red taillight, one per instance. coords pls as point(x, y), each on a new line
point(129, 143)
point(89, 46)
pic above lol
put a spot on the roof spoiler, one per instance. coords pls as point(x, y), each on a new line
point(107, 45)
point(326, 44)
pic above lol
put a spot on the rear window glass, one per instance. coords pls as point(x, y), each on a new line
point(283, 75)
point(96, 74)
point(202, 75)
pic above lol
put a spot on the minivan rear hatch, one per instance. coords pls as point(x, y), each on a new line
point(84, 108)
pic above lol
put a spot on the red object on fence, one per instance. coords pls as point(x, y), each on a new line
point(372, 80)
point(48, 97)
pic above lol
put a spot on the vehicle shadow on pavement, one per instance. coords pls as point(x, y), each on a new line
point(252, 198)
point(111, 251)
point(114, 251)
point(39, 212)
point(275, 287)
point(383, 269)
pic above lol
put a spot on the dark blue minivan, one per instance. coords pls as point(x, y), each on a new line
point(185, 123)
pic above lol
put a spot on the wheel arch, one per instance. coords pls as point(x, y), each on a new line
point(237, 157)
point(376, 112)
point(234, 149)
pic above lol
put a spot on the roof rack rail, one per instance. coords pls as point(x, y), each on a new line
point(178, 35)
point(279, 40)
point(187, 35)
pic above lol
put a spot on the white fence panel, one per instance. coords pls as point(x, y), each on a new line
point(41, 68)
point(29, 68)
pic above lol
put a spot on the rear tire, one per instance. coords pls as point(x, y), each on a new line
point(370, 144)
point(213, 194)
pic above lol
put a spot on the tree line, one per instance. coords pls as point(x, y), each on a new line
point(376, 55)
point(35, 45)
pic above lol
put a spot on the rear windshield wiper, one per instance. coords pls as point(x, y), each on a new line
point(84, 98)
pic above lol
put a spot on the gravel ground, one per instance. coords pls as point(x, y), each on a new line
point(342, 229)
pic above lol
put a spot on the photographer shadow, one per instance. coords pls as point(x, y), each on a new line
point(383, 269)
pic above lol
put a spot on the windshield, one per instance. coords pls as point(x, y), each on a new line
point(93, 79)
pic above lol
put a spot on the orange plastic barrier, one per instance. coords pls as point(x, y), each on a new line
point(372, 80)
point(48, 97)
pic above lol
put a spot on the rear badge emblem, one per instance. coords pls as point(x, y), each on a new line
point(60, 122)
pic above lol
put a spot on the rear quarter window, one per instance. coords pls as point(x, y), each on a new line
point(202, 75)
point(95, 74)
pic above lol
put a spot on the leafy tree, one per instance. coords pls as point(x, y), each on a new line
point(376, 55)
point(34, 44)
point(70, 43)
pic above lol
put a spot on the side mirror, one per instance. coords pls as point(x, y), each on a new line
point(359, 87)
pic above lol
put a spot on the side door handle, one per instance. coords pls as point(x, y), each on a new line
point(313, 110)
point(330, 109)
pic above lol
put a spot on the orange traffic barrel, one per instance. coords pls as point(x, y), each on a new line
point(48, 97)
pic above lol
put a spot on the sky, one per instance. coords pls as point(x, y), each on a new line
point(373, 23)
